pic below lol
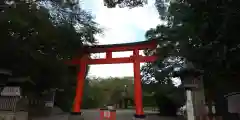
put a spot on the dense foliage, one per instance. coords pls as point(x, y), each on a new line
point(37, 37)
point(204, 32)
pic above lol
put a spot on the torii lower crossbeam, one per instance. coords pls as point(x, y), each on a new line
point(117, 60)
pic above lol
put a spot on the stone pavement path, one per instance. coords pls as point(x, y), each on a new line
point(94, 115)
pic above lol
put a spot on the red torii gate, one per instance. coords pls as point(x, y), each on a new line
point(136, 59)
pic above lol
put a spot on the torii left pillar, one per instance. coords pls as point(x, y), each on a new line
point(76, 114)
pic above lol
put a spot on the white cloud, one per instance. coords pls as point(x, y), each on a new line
point(121, 25)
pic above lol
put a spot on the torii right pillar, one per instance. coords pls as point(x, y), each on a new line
point(137, 87)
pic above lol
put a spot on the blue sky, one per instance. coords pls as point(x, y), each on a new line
point(121, 25)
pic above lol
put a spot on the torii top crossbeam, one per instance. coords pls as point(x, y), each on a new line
point(108, 49)
point(121, 47)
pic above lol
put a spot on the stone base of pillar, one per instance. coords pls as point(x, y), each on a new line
point(75, 116)
point(139, 117)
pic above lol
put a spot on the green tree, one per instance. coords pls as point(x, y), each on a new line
point(110, 90)
point(39, 37)
point(207, 28)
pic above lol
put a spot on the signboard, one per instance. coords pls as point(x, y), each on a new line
point(106, 114)
point(233, 103)
point(11, 91)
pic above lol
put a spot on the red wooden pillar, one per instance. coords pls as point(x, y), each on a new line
point(137, 84)
point(80, 83)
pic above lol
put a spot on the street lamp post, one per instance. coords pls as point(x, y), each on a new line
point(125, 101)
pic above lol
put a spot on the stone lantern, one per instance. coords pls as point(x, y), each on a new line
point(189, 77)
